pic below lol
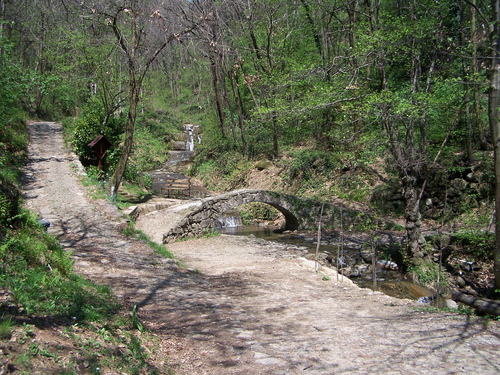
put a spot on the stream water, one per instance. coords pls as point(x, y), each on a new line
point(390, 282)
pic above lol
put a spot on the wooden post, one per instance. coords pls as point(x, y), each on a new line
point(316, 264)
point(374, 263)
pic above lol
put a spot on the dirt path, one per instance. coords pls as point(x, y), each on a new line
point(245, 306)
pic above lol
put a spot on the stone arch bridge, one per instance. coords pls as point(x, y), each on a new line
point(196, 217)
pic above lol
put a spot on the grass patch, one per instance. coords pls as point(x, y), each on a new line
point(133, 195)
point(110, 346)
point(208, 233)
point(6, 325)
point(130, 231)
point(223, 171)
point(40, 276)
point(251, 212)
point(325, 277)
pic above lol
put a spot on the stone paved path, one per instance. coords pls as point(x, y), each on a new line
point(244, 306)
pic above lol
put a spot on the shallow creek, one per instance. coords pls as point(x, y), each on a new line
point(390, 282)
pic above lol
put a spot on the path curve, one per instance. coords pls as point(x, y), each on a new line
point(253, 307)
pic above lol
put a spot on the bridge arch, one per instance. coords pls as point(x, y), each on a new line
point(203, 215)
point(228, 202)
point(196, 217)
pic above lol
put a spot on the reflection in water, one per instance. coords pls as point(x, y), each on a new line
point(265, 233)
point(396, 287)
point(389, 282)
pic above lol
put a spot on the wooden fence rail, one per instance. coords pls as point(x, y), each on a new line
point(172, 187)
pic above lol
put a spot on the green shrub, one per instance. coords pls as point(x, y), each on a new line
point(13, 141)
point(477, 244)
point(309, 163)
point(89, 125)
point(9, 202)
point(12, 86)
point(427, 273)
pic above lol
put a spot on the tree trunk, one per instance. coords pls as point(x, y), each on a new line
point(128, 143)
point(493, 103)
point(134, 91)
point(413, 218)
point(216, 83)
point(239, 105)
point(476, 87)
point(467, 83)
point(483, 305)
point(276, 150)
point(316, 36)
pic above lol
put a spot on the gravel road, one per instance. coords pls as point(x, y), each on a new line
point(244, 306)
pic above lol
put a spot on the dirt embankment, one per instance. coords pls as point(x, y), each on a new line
point(244, 306)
